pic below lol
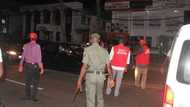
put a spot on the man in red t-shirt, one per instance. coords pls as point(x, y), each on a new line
point(119, 58)
point(142, 60)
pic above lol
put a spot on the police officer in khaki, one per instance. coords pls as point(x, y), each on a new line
point(95, 59)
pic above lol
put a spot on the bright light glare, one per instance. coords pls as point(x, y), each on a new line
point(3, 21)
point(12, 53)
point(19, 56)
point(176, 11)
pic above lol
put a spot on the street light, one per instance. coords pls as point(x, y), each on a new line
point(3, 21)
point(176, 11)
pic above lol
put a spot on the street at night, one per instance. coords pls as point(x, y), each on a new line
point(64, 53)
point(57, 90)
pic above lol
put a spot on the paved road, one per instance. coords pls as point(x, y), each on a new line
point(59, 87)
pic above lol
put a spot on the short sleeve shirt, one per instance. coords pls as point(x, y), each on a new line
point(95, 57)
point(31, 53)
point(1, 57)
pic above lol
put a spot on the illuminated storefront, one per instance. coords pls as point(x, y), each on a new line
point(161, 18)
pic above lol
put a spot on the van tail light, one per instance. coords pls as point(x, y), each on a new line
point(168, 97)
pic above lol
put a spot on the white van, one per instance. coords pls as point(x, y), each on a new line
point(177, 88)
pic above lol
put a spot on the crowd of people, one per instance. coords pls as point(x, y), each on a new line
point(98, 65)
point(96, 59)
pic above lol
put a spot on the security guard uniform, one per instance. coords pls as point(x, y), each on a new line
point(96, 58)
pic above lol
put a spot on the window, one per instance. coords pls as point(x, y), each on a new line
point(58, 36)
point(46, 17)
point(84, 20)
point(4, 24)
point(183, 72)
point(57, 17)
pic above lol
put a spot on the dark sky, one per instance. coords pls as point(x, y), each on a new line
point(89, 5)
point(17, 3)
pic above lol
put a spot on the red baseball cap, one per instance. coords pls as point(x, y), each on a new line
point(33, 35)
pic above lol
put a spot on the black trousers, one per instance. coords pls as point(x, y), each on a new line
point(32, 78)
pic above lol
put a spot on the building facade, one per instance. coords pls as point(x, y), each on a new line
point(162, 19)
point(55, 22)
point(10, 24)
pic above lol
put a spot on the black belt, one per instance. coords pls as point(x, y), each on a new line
point(96, 72)
point(31, 63)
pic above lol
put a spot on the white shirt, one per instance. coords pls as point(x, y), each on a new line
point(1, 59)
point(116, 67)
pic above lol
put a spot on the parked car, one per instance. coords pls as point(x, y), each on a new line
point(12, 50)
point(177, 87)
point(62, 56)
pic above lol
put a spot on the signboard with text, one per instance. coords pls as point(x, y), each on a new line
point(127, 5)
point(117, 5)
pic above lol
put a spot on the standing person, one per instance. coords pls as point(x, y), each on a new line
point(120, 58)
point(1, 73)
point(1, 64)
point(95, 60)
point(31, 63)
point(103, 45)
point(142, 60)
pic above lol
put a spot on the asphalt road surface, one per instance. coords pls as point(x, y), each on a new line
point(57, 90)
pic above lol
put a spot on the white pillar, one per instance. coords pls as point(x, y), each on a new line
point(63, 34)
point(32, 22)
point(24, 25)
point(146, 24)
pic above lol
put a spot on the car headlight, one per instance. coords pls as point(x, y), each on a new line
point(12, 52)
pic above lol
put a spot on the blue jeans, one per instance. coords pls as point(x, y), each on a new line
point(117, 76)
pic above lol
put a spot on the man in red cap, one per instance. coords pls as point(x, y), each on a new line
point(31, 63)
point(142, 60)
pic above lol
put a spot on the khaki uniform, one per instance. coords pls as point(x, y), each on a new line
point(96, 58)
point(142, 61)
point(141, 76)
